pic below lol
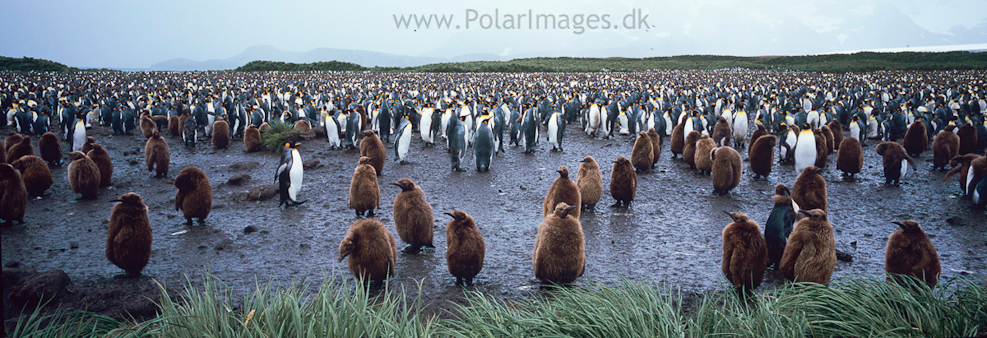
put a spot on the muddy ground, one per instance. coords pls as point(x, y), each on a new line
point(670, 235)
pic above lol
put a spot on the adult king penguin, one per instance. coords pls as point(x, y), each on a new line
point(483, 147)
point(805, 149)
point(556, 130)
point(289, 175)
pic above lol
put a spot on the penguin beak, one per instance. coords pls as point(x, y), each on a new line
point(899, 224)
point(450, 214)
point(569, 208)
point(804, 212)
point(117, 201)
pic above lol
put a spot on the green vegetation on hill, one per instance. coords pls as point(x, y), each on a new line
point(27, 64)
point(265, 66)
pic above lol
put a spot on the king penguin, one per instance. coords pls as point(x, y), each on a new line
point(805, 149)
point(779, 226)
point(403, 140)
point(483, 147)
point(289, 175)
point(78, 134)
point(332, 131)
point(556, 130)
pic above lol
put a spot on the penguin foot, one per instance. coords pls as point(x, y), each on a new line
point(411, 249)
point(370, 213)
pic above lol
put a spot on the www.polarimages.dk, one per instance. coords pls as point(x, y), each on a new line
point(474, 19)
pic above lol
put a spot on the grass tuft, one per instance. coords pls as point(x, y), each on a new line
point(277, 135)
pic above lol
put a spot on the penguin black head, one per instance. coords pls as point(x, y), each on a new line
point(562, 209)
point(781, 189)
point(814, 214)
point(129, 198)
point(563, 171)
point(737, 217)
point(405, 184)
point(909, 226)
point(458, 215)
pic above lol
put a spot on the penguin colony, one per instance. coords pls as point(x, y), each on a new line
point(950, 118)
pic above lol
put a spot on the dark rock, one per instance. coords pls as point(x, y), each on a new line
point(39, 288)
point(249, 229)
point(239, 179)
point(262, 192)
point(242, 166)
point(74, 244)
point(223, 244)
point(956, 221)
point(844, 256)
point(312, 164)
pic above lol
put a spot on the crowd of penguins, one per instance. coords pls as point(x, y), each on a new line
point(796, 118)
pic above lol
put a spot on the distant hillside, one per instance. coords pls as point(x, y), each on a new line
point(263, 66)
point(27, 64)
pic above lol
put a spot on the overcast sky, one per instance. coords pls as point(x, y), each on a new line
point(137, 34)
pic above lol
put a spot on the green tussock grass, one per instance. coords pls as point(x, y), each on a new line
point(862, 307)
point(277, 135)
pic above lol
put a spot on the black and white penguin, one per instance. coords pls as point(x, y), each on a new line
point(78, 137)
point(457, 143)
point(289, 175)
point(483, 147)
point(332, 130)
point(403, 140)
point(556, 130)
point(189, 133)
point(529, 128)
point(805, 149)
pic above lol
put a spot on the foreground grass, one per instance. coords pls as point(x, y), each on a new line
point(865, 307)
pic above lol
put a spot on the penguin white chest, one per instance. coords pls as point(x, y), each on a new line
point(79, 137)
point(805, 151)
point(295, 174)
point(404, 142)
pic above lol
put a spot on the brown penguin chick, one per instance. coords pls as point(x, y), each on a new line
point(894, 158)
point(704, 148)
point(655, 146)
point(13, 138)
point(809, 190)
point(559, 256)
point(563, 189)
point(220, 134)
point(642, 156)
point(678, 139)
point(761, 155)
point(157, 156)
point(589, 180)
point(13, 195)
point(967, 134)
point(464, 248)
point(372, 147)
point(364, 192)
point(22, 148)
point(760, 131)
point(50, 148)
point(35, 173)
point(945, 146)
point(263, 128)
point(371, 249)
point(175, 126)
point(147, 125)
point(822, 149)
point(910, 253)
point(102, 159)
point(194, 196)
point(810, 254)
point(412, 216)
point(86, 147)
point(745, 255)
point(689, 149)
point(83, 175)
point(3, 154)
point(916, 139)
point(837, 130)
point(721, 132)
point(828, 136)
point(623, 182)
point(850, 157)
point(128, 238)
point(961, 164)
point(727, 170)
point(251, 138)
point(302, 125)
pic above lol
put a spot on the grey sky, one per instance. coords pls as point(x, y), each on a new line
point(137, 34)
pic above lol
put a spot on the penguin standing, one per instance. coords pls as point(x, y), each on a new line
point(895, 160)
point(102, 159)
point(35, 173)
point(457, 144)
point(781, 222)
point(563, 189)
point(128, 237)
point(963, 164)
point(556, 131)
point(22, 148)
point(220, 133)
point(916, 139)
point(967, 134)
point(174, 125)
point(559, 255)
point(189, 132)
point(810, 254)
point(721, 132)
point(745, 253)
point(157, 156)
point(13, 138)
point(412, 216)
point(251, 139)
point(402, 141)
point(678, 139)
point(483, 147)
point(911, 253)
point(590, 183)
point(850, 158)
point(78, 137)
point(623, 182)
point(289, 176)
point(371, 249)
point(372, 147)
point(13, 195)
point(805, 149)
point(945, 146)
point(740, 129)
point(689, 149)
point(655, 146)
point(642, 155)
point(194, 196)
point(727, 169)
point(809, 190)
point(529, 128)
point(761, 155)
point(332, 131)
point(465, 248)
point(703, 157)
point(364, 191)
point(837, 131)
point(50, 149)
point(83, 175)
